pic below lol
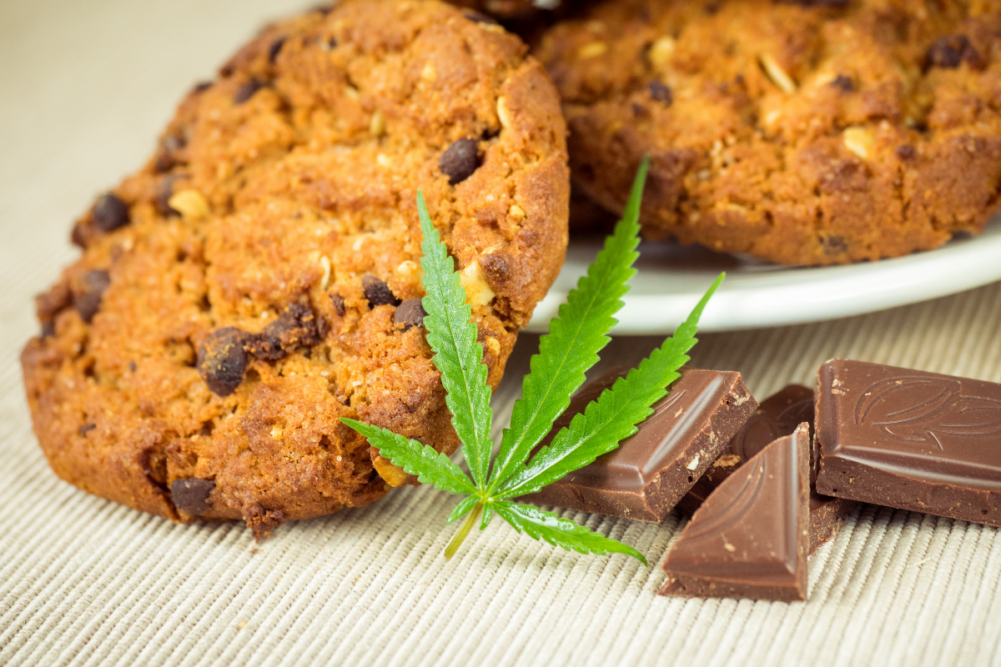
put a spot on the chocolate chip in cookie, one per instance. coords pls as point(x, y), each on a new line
point(164, 191)
point(191, 496)
point(460, 160)
point(297, 327)
point(410, 313)
point(378, 293)
point(661, 93)
point(87, 297)
point(843, 83)
point(246, 91)
point(337, 301)
point(110, 213)
point(222, 360)
point(951, 51)
point(275, 49)
point(166, 159)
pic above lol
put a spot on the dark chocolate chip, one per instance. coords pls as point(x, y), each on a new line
point(132, 366)
point(661, 93)
point(962, 235)
point(322, 9)
point(275, 49)
point(906, 152)
point(297, 327)
point(110, 213)
point(222, 360)
point(191, 496)
point(246, 91)
point(952, 50)
point(338, 302)
point(844, 84)
point(169, 146)
point(87, 428)
point(164, 191)
point(835, 245)
point(495, 269)
point(87, 300)
point(378, 293)
point(201, 87)
point(476, 17)
point(48, 329)
point(460, 160)
point(410, 313)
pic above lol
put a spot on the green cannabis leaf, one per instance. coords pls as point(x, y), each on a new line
point(565, 354)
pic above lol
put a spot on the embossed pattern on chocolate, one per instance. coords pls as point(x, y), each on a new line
point(909, 439)
point(750, 538)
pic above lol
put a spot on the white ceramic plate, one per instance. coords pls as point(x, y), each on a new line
point(672, 278)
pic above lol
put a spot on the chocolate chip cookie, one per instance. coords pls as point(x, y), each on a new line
point(259, 278)
point(801, 132)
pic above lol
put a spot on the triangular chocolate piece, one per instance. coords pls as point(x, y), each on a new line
point(751, 537)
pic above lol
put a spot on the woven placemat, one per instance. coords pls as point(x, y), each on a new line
point(86, 88)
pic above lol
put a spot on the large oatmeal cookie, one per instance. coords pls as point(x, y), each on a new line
point(802, 132)
point(259, 278)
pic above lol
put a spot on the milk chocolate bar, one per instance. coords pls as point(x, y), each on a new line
point(777, 416)
point(650, 472)
point(751, 536)
point(909, 439)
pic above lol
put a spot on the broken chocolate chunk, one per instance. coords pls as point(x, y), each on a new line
point(652, 470)
point(246, 90)
point(222, 360)
point(460, 160)
point(378, 293)
point(410, 313)
point(777, 416)
point(87, 298)
point(951, 51)
point(87, 428)
point(191, 496)
point(906, 152)
point(909, 439)
point(661, 93)
point(275, 49)
point(750, 538)
point(297, 327)
point(110, 213)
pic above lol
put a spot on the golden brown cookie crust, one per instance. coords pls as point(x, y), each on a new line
point(799, 132)
point(274, 193)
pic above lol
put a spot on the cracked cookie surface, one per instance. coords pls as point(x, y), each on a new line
point(259, 278)
point(798, 132)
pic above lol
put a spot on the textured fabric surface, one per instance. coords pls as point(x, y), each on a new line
point(85, 88)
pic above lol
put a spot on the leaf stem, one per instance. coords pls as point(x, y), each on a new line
point(467, 526)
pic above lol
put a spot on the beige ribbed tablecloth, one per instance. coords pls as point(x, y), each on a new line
point(85, 87)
